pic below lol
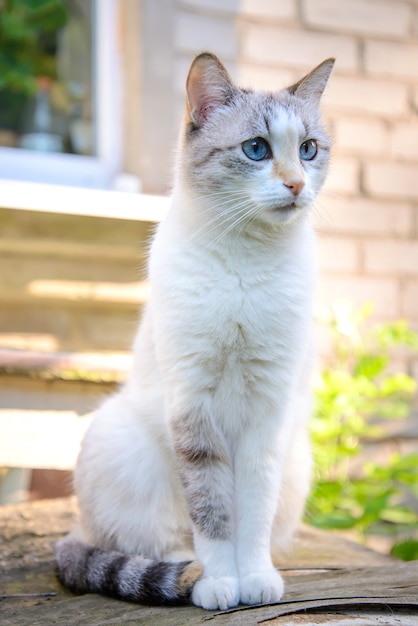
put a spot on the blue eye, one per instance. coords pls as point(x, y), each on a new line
point(256, 149)
point(308, 150)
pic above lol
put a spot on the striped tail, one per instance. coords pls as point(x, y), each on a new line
point(86, 569)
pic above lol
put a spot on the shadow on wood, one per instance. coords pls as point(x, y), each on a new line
point(328, 580)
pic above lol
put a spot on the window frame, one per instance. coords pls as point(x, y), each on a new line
point(97, 171)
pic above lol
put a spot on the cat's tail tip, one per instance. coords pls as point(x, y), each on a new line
point(88, 569)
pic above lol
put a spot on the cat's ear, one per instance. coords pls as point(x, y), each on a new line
point(208, 86)
point(311, 86)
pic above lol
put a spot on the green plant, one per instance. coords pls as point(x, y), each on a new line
point(28, 31)
point(355, 395)
point(28, 40)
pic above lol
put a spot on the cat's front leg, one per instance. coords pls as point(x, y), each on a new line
point(219, 586)
point(258, 477)
point(206, 472)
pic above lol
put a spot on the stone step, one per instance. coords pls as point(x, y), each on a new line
point(38, 380)
point(26, 263)
point(72, 285)
point(70, 324)
point(57, 231)
point(48, 440)
point(44, 246)
point(77, 280)
point(85, 367)
point(46, 402)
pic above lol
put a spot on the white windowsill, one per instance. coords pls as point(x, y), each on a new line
point(81, 201)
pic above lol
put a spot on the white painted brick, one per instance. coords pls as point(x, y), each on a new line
point(337, 254)
point(343, 176)
point(413, 370)
point(194, 33)
point(391, 257)
point(296, 48)
point(229, 7)
point(361, 216)
point(360, 135)
point(376, 17)
point(397, 60)
point(410, 299)
point(391, 180)
point(262, 77)
point(404, 141)
point(282, 10)
point(323, 339)
point(383, 292)
point(362, 95)
point(181, 68)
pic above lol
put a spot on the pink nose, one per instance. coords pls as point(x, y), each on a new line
point(295, 186)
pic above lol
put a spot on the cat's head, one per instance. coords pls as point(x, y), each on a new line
point(253, 155)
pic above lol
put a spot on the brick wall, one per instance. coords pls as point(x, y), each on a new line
point(367, 217)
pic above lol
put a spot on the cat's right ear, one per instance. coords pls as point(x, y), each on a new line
point(208, 86)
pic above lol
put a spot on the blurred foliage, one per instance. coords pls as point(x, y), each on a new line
point(353, 397)
point(28, 42)
point(406, 550)
point(28, 30)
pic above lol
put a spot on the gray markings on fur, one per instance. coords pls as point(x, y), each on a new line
point(86, 569)
point(204, 467)
point(211, 154)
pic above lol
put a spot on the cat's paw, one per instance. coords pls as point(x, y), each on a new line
point(261, 587)
point(216, 593)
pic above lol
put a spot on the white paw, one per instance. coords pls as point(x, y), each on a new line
point(261, 587)
point(216, 593)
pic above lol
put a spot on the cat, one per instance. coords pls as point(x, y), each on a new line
point(204, 453)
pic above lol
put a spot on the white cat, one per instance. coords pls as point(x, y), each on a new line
point(205, 447)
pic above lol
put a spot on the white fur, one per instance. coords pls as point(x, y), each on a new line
point(227, 332)
point(189, 352)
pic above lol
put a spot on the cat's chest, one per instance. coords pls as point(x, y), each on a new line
point(235, 330)
point(230, 306)
point(249, 340)
point(244, 313)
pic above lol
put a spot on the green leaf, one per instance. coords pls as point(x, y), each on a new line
point(399, 515)
point(396, 333)
point(398, 383)
point(406, 550)
point(370, 365)
point(337, 520)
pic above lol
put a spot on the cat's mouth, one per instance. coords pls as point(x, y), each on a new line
point(286, 207)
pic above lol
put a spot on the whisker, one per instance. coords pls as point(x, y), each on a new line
point(241, 215)
point(243, 220)
point(235, 207)
point(331, 194)
point(219, 220)
point(322, 216)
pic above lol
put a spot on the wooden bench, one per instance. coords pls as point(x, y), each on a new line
point(329, 580)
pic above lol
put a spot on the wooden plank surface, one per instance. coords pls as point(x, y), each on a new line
point(329, 580)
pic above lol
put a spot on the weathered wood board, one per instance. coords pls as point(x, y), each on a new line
point(329, 580)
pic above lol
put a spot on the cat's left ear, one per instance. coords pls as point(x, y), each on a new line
point(312, 86)
point(208, 87)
